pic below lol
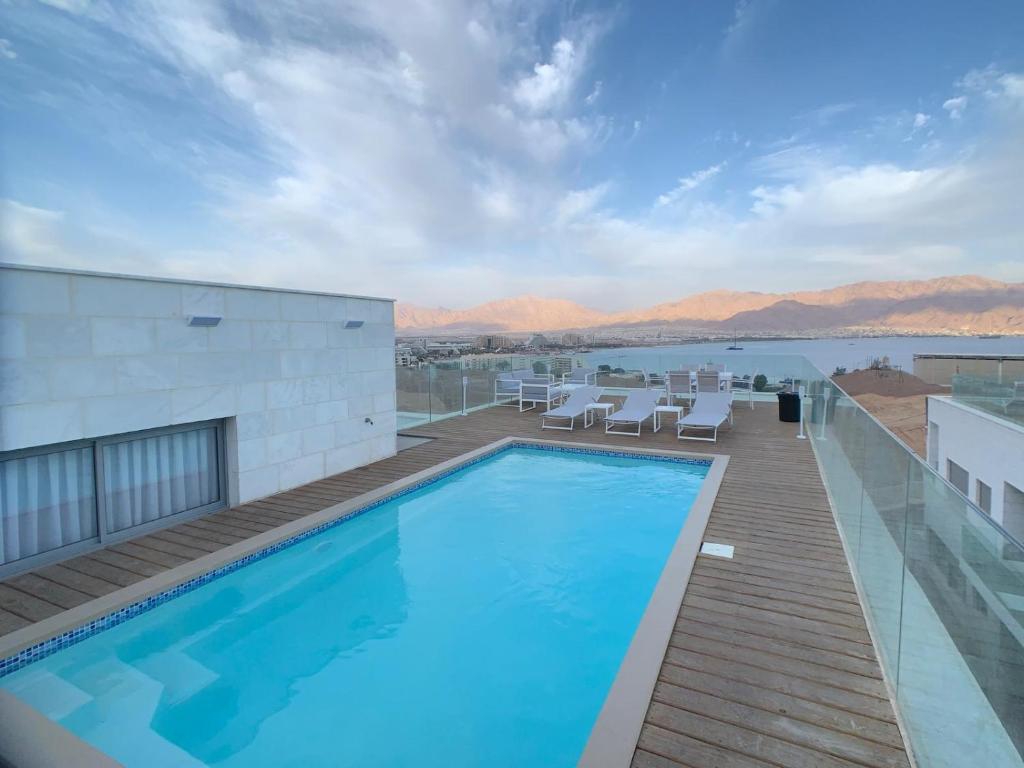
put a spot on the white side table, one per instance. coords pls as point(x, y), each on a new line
point(660, 409)
point(588, 413)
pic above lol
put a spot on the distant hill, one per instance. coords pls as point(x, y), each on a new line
point(961, 304)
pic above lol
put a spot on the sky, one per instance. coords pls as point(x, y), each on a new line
point(451, 153)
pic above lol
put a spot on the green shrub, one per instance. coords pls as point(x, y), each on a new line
point(760, 382)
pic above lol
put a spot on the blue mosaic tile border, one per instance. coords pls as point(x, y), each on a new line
point(66, 639)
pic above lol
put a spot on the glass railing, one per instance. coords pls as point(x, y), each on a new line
point(1004, 399)
point(941, 584)
point(437, 391)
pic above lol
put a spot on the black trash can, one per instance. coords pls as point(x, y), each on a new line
point(789, 406)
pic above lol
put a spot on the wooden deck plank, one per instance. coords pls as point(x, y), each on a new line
point(74, 579)
point(10, 622)
point(99, 569)
point(770, 664)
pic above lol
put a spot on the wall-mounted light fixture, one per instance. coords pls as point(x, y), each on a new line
point(199, 321)
point(350, 324)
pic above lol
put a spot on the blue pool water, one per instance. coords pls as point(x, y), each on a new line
point(477, 621)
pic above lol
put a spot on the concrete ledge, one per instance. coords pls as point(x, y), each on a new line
point(30, 740)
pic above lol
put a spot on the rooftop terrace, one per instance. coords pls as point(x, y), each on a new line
point(771, 662)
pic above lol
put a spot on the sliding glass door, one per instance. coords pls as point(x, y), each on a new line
point(60, 496)
point(47, 501)
point(149, 478)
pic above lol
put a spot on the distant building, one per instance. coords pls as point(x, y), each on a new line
point(495, 342)
point(560, 365)
point(538, 340)
point(495, 361)
point(979, 448)
point(573, 339)
point(404, 357)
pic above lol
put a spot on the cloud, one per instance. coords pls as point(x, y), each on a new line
point(381, 155)
point(955, 106)
point(550, 84)
point(7, 50)
point(579, 202)
point(688, 184)
point(442, 153)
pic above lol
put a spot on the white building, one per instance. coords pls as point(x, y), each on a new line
point(127, 403)
point(404, 357)
point(982, 455)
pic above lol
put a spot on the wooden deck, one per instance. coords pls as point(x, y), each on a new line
point(770, 663)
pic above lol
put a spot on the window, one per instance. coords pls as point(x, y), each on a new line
point(957, 475)
point(47, 500)
point(1013, 510)
point(983, 496)
point(59, 495)
point(149, 478)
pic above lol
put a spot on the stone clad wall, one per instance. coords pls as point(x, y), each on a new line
point(84, 356)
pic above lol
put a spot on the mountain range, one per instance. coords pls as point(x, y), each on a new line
point(958, 305)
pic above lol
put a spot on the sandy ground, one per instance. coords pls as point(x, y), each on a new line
point(896, 399)
point(886, 383)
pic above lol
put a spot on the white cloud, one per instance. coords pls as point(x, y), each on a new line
point(550, 84)
point(388, 152)
point(402, 164)
point(594, 94)
point(7, 50)
point(921, 120)
point(955, 106)
point(689, 183)
point(579, 202)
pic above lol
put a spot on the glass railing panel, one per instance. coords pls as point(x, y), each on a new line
point(840, 441)
point(480, 388)
point(885, 473)
point(1004, 399)
point(412, 396)
point(445, 392)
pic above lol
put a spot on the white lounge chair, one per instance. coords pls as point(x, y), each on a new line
point(680, 385)
point(639, 406)
point(539, 389)
point(710, 411)
point(708, 381)
point(572, 409)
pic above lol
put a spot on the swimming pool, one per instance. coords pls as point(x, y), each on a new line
point(480, 619)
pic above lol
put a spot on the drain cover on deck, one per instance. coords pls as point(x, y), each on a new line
point(718, 550)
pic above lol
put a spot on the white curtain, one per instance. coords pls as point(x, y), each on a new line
point(46, 501)
point(154, 477)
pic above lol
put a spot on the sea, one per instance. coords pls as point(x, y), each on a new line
point(825, 354)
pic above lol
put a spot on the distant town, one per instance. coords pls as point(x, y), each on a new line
point(479, 351)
